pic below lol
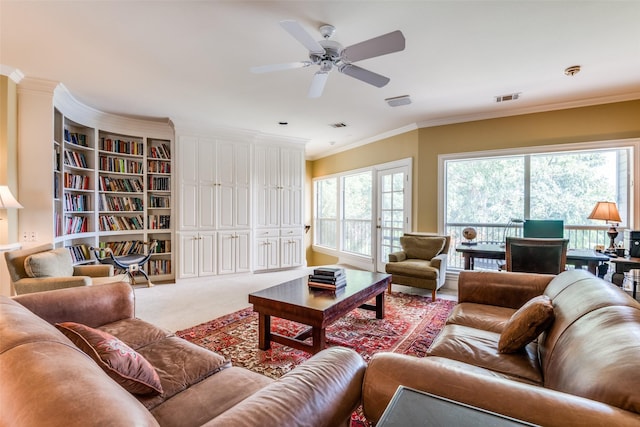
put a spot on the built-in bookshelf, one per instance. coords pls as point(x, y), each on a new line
point(114, 190)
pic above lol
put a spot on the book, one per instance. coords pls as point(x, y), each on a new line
point(329, 271)
point(319, 285)
point(327, 279)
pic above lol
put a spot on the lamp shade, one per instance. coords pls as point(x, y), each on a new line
point(606, 211)
point(7, 200)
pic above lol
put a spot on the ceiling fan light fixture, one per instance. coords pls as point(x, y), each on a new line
point(397, 101)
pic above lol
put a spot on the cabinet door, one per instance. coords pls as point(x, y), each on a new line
point(226, 252)
point(267, 186)
point(189, 193)
point(292, 182)
point(207, 184)
point(242, 252)
point(233, 166)
point(291, 250)
point(188, 255)
point(207, 250)
point(267, 254)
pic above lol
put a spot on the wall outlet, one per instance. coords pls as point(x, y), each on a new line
point(33, 236)
point(25, 236)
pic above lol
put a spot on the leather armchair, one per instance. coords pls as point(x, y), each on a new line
point(43, 268)
point(422, 263)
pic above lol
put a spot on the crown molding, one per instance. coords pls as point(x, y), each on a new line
point(13, 73)
point(588, 102)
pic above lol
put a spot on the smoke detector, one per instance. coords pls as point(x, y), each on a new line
point(572, 71)
point(508, 97)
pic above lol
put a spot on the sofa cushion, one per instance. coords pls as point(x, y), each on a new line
point(55, 263)
point(535, 316)
point(413, 268)
point(123, 364)
point(480, 316)
point(422, 247)
point(480, 348)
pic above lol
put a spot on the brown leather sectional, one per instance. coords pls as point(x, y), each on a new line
point(584, 370)
point(46, 380)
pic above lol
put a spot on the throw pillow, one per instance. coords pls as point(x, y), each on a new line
point(422, 247)
point(123, 364)
point(54, 263)
point(526, 324)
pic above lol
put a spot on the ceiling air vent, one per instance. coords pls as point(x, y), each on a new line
point(338, 125)
point(509, 97)
point(398, 101)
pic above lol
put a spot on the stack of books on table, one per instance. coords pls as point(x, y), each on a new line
point(328, 278)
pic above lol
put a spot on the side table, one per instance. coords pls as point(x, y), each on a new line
point(410, 407)
point(622, 266)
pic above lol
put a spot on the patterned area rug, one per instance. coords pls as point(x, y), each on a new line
point(411, 323)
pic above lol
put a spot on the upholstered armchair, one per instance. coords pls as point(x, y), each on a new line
point(422, 263)
point(43, 268)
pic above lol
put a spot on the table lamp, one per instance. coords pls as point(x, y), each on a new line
point(7, 200)
point(608, 212)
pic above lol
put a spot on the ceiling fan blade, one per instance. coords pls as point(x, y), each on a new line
point(300, 34)
point(317, 84)
point(377, 46)
point(364, 75)
point(278, 67)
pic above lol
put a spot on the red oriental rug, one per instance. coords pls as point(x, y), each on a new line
point(411, 323)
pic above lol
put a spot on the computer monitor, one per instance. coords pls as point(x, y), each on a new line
point(543, 228)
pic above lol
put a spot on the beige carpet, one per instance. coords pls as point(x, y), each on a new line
point(190, 302)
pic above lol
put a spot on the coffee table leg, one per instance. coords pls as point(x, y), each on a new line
point(380, 306)
point(264, 331)
point(319, 339)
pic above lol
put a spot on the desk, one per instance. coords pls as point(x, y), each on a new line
point(410, 407)
point(576, 257)
point(622, 265)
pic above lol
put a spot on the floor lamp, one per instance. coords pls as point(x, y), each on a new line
point(607, 211)
point(7, 201)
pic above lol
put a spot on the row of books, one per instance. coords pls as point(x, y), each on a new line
point(158, 166)
point(120, 223)
point(121, 248)
point(123, 147)
point(75, 138)
point(328, 278)
point(76, 202)
point(160, 152)
point(124, 185)
point(79, 253)
point(119, 165)
point(121, 204)
point(160, 183)
point(159, 201)
point(76, 182)
point(75, 159)
point(159, 266)
point(75, 224)
point(159, 222)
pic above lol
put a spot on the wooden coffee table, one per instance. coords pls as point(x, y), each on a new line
point(294, 300)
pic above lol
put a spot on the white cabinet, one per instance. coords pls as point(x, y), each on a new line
point(198, 254)
point(233, 252)
point(279, 181)
point(266, 251)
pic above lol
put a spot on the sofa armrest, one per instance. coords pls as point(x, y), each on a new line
point(461, 382)
point(440, 262)
point(39, 284)
point(397, 256)
point(93, 270)
point(500, 288)
point(90, 305)
point(323, 391)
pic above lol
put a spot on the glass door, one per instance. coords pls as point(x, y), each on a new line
point(394, 197)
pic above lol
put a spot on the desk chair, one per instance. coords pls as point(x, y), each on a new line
point(130, 263)
point(531, 255)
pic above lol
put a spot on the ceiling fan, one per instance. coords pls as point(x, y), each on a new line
point(329, 54)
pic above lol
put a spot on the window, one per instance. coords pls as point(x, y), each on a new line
point(357, 202)
point(488, 192)
point(326, 213)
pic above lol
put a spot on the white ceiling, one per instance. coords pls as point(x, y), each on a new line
point(189, 61)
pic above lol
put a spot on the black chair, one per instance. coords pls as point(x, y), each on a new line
point(131, 263)
point(530, 255)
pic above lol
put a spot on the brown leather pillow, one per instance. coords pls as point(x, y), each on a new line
point(123, 364)
point(526, 324)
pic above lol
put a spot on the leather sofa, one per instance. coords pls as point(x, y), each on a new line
point(43, 268)
point(45, 379)
point(583, 370)
point(422, 262)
